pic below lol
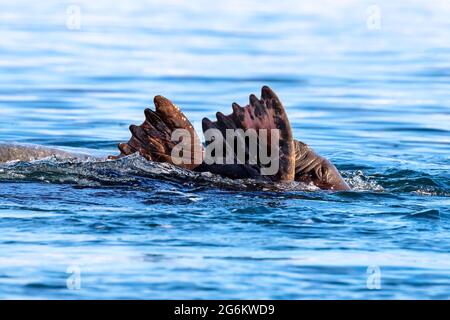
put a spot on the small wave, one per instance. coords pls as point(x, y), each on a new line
point(360, 182)
point(398, 181)
point(135, 171)
point(415, 181)
point(425, 214)
point(132, 170)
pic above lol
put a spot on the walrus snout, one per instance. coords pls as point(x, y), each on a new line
point(310, 167)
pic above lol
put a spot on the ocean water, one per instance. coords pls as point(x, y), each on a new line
point(365, 83)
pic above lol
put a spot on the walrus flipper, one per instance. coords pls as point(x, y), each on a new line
point(153, 138)
point(265, 113)
point(310, 167)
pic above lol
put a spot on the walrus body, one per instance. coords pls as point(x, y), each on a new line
point(153, 140)
point(297, 161)
point(26, 152)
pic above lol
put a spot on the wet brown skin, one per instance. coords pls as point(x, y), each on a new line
point(152, 139)
point(310, 167)
point(265, 113)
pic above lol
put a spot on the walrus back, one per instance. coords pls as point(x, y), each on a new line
point(22, 152)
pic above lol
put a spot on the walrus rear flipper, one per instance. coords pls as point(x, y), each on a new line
point(265, 113)
point(153, 138)
point(310, 167)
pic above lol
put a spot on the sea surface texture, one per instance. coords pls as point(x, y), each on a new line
point(366, 84)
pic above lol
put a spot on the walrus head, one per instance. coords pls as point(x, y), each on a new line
point(310, 167)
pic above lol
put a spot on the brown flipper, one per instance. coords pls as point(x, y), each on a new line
point(152, 139)
point(310, 167)
point(265, 113)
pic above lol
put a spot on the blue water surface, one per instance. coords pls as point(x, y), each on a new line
point(366, 85)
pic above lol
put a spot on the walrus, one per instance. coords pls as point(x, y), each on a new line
point(153, 140)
